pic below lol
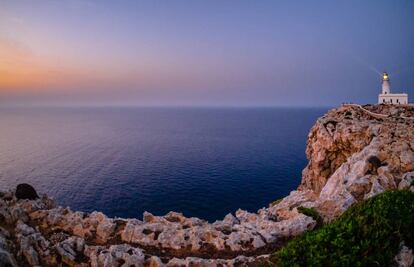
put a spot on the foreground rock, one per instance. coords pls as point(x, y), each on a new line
point(352, 156)
point(405, 258)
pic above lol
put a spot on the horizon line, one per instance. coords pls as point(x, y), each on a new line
point(115, 105)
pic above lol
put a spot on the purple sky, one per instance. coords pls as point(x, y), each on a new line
point(204, 53)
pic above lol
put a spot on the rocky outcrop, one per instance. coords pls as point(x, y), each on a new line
point(405, 258)
point(46, 234)
point(353, 155)
point(358, 156)
point(331, 141)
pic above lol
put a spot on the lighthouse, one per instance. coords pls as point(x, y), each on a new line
point(385, 84)
point(386, 97)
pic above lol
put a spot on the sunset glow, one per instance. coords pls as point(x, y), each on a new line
point(152, 52)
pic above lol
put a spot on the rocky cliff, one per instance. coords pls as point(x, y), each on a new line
point(354, 153)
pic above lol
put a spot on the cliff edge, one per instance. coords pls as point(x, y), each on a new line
point(354, 153)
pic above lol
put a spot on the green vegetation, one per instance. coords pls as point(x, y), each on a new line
point(367, 234)
point(311, 212)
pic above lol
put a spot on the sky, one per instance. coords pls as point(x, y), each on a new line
point(204, 53)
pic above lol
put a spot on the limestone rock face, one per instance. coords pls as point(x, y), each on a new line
point(116, 255)
point(405, 258)
point(49, 235)
point(6, 257)
point(353, 155)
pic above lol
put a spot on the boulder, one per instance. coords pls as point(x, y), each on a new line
point(26, 191)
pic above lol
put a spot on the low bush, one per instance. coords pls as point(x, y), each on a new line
point(367, 234)
point(311, 212)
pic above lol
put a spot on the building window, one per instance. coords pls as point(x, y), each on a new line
point(391, 100)
point(383, 100)
point(398, 101)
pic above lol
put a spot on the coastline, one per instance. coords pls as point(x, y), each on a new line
point(352, 157)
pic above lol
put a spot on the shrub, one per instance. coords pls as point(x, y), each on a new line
point(311, 212)
point(367, 234)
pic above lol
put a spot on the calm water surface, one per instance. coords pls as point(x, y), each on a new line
point(204, 162)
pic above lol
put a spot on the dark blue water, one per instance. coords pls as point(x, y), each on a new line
point(204, 162)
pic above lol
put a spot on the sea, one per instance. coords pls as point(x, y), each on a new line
point(203, 162)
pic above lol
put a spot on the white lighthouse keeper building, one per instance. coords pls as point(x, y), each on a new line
point(386, 97)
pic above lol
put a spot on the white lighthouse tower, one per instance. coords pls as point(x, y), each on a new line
point(386, 97)
point(386, 86)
